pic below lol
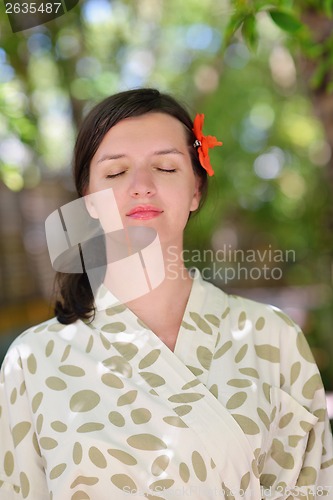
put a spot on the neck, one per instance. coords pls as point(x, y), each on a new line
point(148, 268)
point(162, 307)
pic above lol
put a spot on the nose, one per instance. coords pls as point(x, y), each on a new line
point(142, 184)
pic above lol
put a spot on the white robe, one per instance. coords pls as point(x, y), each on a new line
point(106, 411)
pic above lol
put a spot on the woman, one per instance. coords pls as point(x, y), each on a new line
point(179, 391)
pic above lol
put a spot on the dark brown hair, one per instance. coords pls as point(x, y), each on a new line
point(77, 299)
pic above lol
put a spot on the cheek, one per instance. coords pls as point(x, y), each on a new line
point(195, 201)
point(183, 207)
point(103, 205)
point(120, 201)
point(191, 197)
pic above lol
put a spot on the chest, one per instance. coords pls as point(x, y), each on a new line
point(165, 328)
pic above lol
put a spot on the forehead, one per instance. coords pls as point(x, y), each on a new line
point(157, 129)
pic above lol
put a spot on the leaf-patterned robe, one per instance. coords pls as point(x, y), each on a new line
point(105, 410)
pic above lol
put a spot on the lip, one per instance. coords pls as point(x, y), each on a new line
point(144, 212)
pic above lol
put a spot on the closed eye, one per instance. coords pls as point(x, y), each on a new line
point(167, 170)
point(111, 176)
point(164, 170)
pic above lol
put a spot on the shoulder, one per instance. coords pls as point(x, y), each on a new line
point(36, 331)
point(272, 332)
point(247, 311)
point(259, 314)
point(264, 324)
point(39, 339)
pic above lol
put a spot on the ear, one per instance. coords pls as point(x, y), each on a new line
point(196, 195)
point(89, 203)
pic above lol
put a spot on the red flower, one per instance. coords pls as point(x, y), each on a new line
point(204, 142)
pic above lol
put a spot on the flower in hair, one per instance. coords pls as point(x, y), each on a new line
point(203, 143)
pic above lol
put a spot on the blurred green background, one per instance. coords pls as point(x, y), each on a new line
point(262, 74)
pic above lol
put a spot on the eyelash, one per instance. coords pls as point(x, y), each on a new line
point(114, 175)
point(111, 176)
point(169, 171)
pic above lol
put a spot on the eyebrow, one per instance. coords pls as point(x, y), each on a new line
point(161, 152)
point(173, 151)
point(110, 157)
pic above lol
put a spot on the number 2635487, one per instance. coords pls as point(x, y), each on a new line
point(32, 8)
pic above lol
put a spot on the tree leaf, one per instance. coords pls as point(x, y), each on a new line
point(233, 25)
point(285, 20)
point(318, 77)
point(249, 31)
point(328, 8)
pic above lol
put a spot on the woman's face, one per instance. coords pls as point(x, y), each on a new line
point(146, 162)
